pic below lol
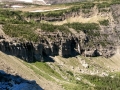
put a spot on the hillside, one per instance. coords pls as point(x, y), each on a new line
point(74, 46)
point(71, 70)
point(15, 66)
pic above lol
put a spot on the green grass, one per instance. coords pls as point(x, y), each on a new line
point(25, 31)
point(103, 5)
point(53, 28)
point(38, 72)
point(101, 83)
point(85, 11)
point(78, 85)
point(88, 28)
point(104, 22)
point(47, 69)
point(41, 73)
point(104, 83)
point(115, 1)
point(83, 26)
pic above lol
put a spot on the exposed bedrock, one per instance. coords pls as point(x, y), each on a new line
point(31, 51)
point(66, 47)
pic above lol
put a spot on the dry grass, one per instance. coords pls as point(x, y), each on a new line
point(100, 64)
point(43, 7)
point(93, 19)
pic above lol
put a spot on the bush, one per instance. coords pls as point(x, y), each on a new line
point(87, 5)
point(70, 73)
point(103, 5)
point(85, 11)
point(115, 1)
point(88, 28)
point(83, 26)
point(52, 28)
point(104, 22)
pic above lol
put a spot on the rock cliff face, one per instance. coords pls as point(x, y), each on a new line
point(67, 45)
point(30, 51)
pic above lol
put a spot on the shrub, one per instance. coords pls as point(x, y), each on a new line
point(83, 26)
point(87, 5)
point(104, 22)
point(103, 5)
point(104, 83)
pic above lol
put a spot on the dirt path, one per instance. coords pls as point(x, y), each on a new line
point(14, 66)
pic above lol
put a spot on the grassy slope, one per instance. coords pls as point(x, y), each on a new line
point(14, 65)
point(64, 72)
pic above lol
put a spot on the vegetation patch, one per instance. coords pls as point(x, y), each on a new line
point(104, 83)
point(86, 11)
point(70, 73)
point(47, 69)
point(87, 5)
point(79, 86)
point(37, 71)
point(115, 1)
point(104, 22)
point(103, 5)
point(24, 31)
point(83, 26)
point(88, 28)
point(53, 28)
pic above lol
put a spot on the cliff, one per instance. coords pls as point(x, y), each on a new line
point(100, 42)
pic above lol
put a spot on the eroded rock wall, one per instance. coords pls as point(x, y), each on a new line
point(68, 45)
point(64, 45)
point(31, 51)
